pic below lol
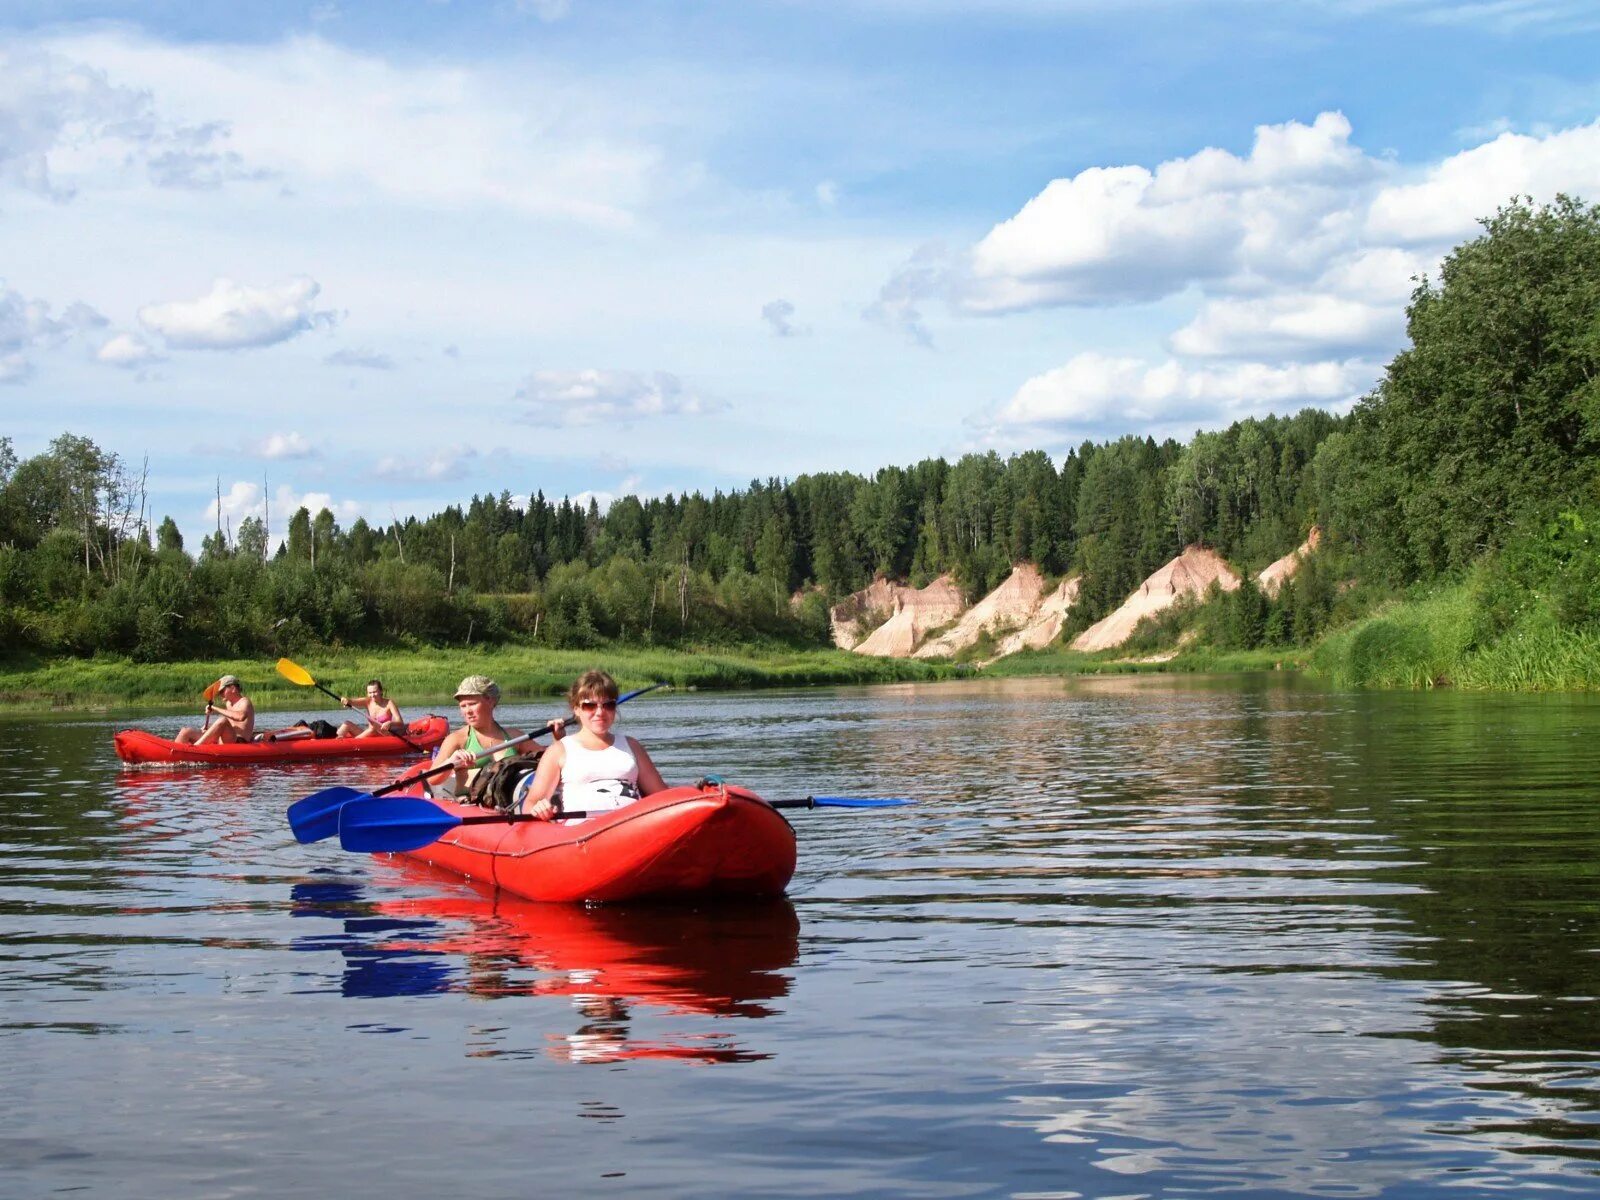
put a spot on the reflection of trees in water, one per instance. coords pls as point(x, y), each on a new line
point(723, 960)
point(1354, 921)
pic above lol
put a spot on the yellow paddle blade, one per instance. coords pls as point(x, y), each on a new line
point(210, 693)
point(295, 673)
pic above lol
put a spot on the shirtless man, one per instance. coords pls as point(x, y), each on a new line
point(236, 717)
point(383, 714)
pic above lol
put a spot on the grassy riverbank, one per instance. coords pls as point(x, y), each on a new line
point(1450, 637)
point(422, 678)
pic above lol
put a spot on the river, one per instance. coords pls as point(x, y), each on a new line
point(1139, 937)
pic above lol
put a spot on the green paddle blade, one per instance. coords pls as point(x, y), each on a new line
point(317, 816)
point(402, 823)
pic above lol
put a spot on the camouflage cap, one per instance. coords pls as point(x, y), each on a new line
point(478, 685)
point(229, 681)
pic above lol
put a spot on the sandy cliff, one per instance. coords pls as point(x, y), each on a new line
point(1190, 574)
point(915, 611)
point(1009, 606)
point(1271, 578)
point(1045, 625)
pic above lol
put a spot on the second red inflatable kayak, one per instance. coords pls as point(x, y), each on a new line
point(137, 746)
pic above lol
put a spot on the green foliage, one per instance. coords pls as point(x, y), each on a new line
point(1493, 412)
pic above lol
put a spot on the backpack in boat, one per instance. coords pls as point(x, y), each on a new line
point(320, 729)
point(495, 786)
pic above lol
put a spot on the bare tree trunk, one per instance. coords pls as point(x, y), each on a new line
point(683, 592)
point(398, 540)
point(450, 581)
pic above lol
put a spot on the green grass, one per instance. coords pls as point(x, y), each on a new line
point(1436, 640)
point(418, 678)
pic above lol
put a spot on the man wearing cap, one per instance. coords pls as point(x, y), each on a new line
point(235, 713)
point(476, 697)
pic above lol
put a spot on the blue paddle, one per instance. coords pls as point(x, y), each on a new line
point(316, 816)
point(376, 826)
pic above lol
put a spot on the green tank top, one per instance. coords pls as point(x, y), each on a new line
point(476, 747)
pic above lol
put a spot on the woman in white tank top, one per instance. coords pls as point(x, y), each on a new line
point(597, 769)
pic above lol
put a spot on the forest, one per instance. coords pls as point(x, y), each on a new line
point(1474, 461)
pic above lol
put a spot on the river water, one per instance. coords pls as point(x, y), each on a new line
point(1140, 937)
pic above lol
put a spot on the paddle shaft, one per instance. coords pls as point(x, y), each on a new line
point(487, 755)
point(519, 818)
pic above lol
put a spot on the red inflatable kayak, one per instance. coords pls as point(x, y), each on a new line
point(137, 746)
point(685, 841)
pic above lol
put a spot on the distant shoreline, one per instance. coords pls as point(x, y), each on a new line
point(427, 677)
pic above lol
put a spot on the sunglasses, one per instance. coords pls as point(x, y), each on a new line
point(591, 705)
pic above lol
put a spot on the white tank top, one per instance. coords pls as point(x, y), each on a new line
point(599, 780)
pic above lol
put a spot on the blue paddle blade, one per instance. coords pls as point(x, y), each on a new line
point(317, 816)
point(379, 826)
point(857, 802)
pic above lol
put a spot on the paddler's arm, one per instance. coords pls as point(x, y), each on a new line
point(650, 781)
point(536, 801)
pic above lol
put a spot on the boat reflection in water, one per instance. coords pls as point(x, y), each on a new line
point(716, 958)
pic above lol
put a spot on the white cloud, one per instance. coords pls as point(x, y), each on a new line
point(436, 465)
point(1099, 394)
point(127, 351)
point(591, 396)
point(827, 193)
point(1295, 249)
point(352, 127)
point(1446, 204)
point(285, 446)
point(360, 357)
point(1292, 326)
point(1126, 234)
point(235, 316)
point(67, 123)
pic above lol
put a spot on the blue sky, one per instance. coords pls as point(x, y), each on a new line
point(382, 256)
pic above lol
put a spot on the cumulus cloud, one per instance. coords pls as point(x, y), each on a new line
point(1095, 394)
point(1290, 249)
point(1445, 204)
point(779, 314)
point(128, 351)
point(360, 357)
point(435, 466)
point(1293, 325)
point(285, 446)
point(591, 396)
point(234, 316)
point(1124, 234)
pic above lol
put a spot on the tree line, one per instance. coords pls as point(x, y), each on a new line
point(1481, 433)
